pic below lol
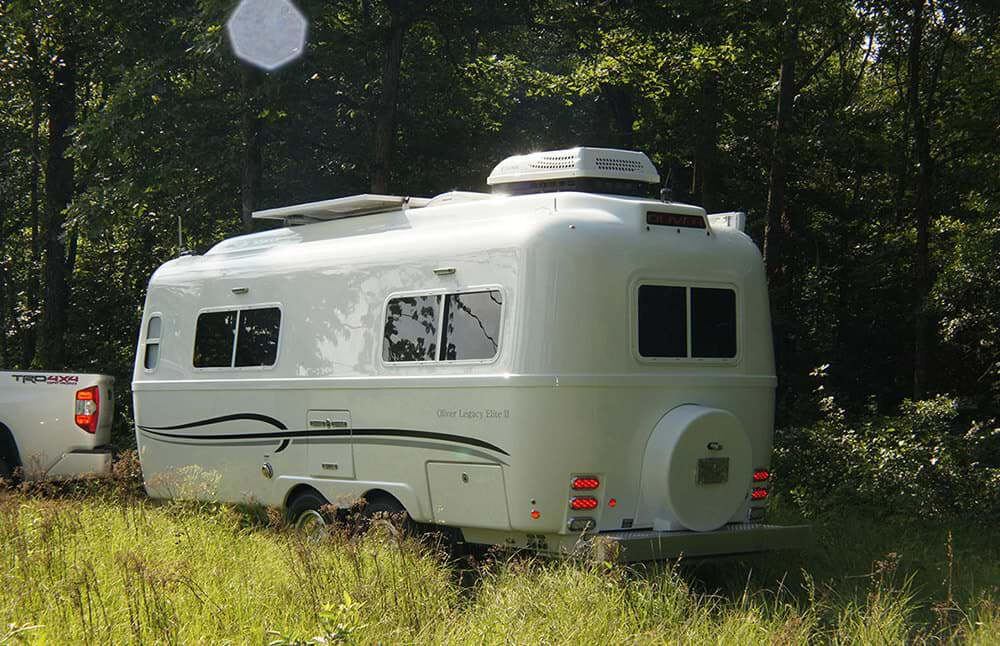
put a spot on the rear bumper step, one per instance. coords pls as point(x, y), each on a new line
point(82, 462)
point(737, 538)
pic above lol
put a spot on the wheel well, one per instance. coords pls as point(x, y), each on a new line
point(297, 491)
point(370, 495)
point(382, 494)
point(8, 448)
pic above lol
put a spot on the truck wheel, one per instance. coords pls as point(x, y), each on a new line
point(306, 515)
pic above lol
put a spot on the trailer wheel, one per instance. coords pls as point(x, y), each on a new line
point(306, 514)
point(381, 506)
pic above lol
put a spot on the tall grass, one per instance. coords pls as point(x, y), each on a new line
point(103, 566)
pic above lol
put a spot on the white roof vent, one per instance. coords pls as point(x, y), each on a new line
point(583, 169)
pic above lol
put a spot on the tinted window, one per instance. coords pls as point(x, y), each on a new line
point(257, 341)
point(213, 339)
point(153, 328)
point(662, 321)
point(411, 329)
point(713, 322)
point(472, 325)
point(152, 356)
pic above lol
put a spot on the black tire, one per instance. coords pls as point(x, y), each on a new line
point(10, 462)
point(306, 514)
point(382, 507)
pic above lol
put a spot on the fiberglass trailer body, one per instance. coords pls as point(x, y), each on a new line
point(561, 358)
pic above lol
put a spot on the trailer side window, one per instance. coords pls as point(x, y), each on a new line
point(713, 323)
point(411, 329)
point(471, 325)
point(257, 341)
point(152, 355)
point(662, 321)
point(213, 339)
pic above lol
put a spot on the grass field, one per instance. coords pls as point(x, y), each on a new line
point(97, 565)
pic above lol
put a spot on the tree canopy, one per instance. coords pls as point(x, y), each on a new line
point(861, 137)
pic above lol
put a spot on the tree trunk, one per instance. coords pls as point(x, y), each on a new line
point(705, 182)
point(921, 206)
point(621, 109)
point(58, 193)
point(778, 221)
point(29, 334)
point(4, 273)
point(388, 100)
point(251, 162)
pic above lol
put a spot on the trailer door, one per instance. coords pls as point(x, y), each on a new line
point(330, 446)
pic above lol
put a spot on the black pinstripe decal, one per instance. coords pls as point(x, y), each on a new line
point(286, 435)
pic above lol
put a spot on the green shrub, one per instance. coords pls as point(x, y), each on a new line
point(926, 461)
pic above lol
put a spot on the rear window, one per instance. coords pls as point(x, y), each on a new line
point(713, 323)
point(686, 322)
point(662, 321)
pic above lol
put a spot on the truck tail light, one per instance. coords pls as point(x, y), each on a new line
point(760, 475)
point(583, 502)
point(758, 493)
point(88, 408)
point(585, 482)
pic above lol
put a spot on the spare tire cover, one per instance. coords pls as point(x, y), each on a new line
point(699, 461)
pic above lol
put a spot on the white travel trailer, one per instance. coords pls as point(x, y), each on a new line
point(564, 358)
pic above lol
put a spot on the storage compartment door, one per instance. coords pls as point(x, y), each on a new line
point(329, 445)
point(468, 495)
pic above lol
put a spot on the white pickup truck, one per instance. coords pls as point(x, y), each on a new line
point(55, 425)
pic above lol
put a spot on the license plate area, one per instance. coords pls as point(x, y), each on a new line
point(713, 471)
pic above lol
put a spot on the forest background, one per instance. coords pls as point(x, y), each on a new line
point(860, 136)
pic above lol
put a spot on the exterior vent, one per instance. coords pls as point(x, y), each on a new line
point(623, 165)
point(596, 170)
point(553, 162)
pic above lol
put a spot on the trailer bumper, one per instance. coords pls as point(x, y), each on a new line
point(82, 463)
point(736, 538)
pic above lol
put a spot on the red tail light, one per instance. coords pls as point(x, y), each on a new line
point(758, 493)
point(586, 482)
point(88, 408)
point(583, 502)
point(760, 475)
